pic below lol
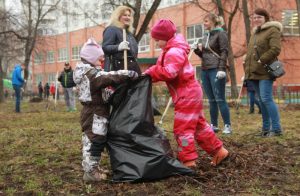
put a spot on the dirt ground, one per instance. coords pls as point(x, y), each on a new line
point(41, 155)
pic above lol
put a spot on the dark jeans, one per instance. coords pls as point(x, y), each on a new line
point(269, 110)
point(253, 100)
point(215, 91)
point(17, 96)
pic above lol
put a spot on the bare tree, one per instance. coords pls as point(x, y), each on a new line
point(138, 9)
point(246, 20)
point(8, 52)
point(34, 11)
point(218, 4)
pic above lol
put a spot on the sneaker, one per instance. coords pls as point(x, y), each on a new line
point(215, 128)
point(95, 175)
point(190, 164)
point(219, 156)
point(227, 129)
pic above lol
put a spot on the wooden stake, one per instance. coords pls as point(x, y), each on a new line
point(125, 51)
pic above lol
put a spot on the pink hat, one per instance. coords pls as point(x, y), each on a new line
point(163, 30)
point(91, 51)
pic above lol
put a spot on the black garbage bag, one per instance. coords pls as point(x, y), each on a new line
point(138, 150)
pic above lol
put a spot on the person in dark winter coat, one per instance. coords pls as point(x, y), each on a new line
point(190, 124)
point(46, 90)
point(91, 81)
point(263, 48)
point(41, 90)
point(213, 51)
point(113, 44)
point(18, 82)
point(66, 80)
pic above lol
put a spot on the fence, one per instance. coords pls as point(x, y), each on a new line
point(281, 95)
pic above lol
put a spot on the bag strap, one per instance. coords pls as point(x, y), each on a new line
point(214, 52)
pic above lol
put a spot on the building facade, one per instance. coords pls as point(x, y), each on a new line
point(53, 50)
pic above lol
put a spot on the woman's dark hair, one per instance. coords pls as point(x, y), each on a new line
point(262, 12)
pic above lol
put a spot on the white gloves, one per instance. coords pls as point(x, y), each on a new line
point(242, 78)
point(221, 75)
point(194, 46)
point(124, 45)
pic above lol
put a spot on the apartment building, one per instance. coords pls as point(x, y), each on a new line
point(65, 42)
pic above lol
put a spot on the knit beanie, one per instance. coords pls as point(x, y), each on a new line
point(163, 30)
point(91, 52)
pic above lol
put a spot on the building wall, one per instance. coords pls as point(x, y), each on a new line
point(184, 15)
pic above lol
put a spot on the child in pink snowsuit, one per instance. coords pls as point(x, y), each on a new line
point(174, 68)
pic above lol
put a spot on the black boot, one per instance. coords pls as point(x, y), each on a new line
point(251, 111)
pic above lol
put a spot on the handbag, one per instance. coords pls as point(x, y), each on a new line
point(275, 69)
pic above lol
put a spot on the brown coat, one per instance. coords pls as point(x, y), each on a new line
point(267, 39)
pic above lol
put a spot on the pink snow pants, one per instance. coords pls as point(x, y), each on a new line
point(189, 126)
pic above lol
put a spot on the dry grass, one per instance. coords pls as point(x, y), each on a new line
point(41, 155)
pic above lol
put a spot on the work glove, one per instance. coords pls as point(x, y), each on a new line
point(194, 46)
point(124, 45)
point(221, 75)
point(132, 74)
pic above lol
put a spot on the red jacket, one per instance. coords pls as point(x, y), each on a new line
point(52, 89)
point(176, 70)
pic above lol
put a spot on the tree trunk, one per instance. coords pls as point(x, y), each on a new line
point(247, 20)
point(1, 82)
point(147, 20)
point(234, 89)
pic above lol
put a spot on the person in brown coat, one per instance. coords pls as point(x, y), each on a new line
point(263, 48)
point(91, 82)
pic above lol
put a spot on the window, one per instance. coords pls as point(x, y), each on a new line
point(75, 52)
point(50, 57)
point(195, 33)
point(62, 54)
point(290, 22)
point(51, 77)
point(144, 44)
point(38, 58)
point(38, 78)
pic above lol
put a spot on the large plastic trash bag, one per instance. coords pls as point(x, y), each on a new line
point(138, 150)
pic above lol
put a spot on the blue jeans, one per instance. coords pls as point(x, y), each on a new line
point(17, 89)
point(253, 100)
point(269, 110)
point(215, 90)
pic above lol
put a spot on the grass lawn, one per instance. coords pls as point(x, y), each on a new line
point(41, 155)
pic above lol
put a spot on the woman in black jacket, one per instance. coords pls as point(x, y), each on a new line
point(213, 52)
point(113, 44)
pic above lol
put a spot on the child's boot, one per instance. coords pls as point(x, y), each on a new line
point(219, 156)
point(94, 175)
point(190, 164)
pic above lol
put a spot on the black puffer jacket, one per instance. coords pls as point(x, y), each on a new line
point(218, 41)
point(66, 78)
point(112, 37)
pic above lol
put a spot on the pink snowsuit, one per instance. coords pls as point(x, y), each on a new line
point(190, 123)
